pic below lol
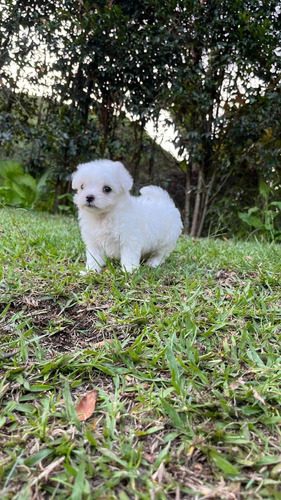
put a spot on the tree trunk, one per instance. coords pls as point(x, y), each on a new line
point(186, 220)
point(206, 203)
point(151, 159)
point(106, 115)
point(196, 212)
point(138, 149)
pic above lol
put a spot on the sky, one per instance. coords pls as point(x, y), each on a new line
point(164, 134)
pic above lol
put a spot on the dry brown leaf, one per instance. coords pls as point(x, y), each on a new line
point(86, 405)
point(258, 397)
point(102, 342)
point(150, 457)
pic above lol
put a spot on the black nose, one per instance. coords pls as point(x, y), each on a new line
point(90, 198)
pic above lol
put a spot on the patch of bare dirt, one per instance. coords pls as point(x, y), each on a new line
point(64, 326)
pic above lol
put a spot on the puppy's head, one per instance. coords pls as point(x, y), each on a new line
point(100, 184)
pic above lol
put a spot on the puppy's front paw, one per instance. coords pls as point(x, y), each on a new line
point(129, 268)
point(154, 262)
point(130, 260)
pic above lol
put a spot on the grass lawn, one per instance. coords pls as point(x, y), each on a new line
point(185, 359)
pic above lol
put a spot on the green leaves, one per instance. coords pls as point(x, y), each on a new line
point(18, 187)
point(263, 219)
point(174, 368)
point(174, 416)
point(37, 457)
point(223, 464)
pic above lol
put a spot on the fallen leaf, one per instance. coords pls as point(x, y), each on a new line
point(235, 384)
point(258, 397)
point(86, 405)
point(150, 457)
point(102, 342)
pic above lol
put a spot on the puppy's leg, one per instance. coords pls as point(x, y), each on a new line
point(159, 256)
point(130, 258)
point(95, 260)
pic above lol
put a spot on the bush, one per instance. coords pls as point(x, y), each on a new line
point(264, 219)
point(17, 188)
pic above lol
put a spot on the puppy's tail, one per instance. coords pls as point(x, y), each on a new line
point(155, 193)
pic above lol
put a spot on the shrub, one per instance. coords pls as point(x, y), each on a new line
point(18, 188)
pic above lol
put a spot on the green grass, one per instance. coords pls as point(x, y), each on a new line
point(189, 387)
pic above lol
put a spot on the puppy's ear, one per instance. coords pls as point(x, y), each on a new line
point(125, 178)
point(75, 179)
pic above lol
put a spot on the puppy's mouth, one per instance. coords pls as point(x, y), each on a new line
point(90, 205)
point(90, 202)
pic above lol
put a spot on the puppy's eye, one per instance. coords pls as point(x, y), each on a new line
point(107, 189)
point(82, 186)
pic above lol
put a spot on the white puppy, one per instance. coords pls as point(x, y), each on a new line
point(117, 225)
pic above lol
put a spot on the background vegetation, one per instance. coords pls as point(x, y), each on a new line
point(81, 80)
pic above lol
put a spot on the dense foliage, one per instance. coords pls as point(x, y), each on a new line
point(82, 79)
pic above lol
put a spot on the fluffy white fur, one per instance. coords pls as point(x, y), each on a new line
point(115, 224)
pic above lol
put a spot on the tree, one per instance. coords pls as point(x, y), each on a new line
point(97, 62)
point(222, 47)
